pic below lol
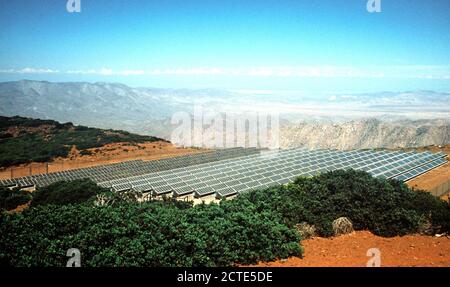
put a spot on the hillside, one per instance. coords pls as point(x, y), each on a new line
point(103, 105)
point(366, 133)
point(24, 140)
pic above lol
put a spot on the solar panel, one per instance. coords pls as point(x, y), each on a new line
point(131, 168)
point(420, 170)
point(203, 191)
point(239, 170)
point(182, 189)
point(225, 192)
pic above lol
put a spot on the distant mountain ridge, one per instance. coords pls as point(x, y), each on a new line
point(340, 121)
point(102, 105)
point(366, 133)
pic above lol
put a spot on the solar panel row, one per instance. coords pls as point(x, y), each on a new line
point(232, 176)
point(420, 170)
point(126, 169)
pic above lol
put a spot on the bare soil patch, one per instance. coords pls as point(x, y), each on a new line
point(350, 251)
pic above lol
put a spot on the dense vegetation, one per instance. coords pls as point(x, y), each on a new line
point(10, 199)
point(158, 233)
point(71, 192)
point(24, 140)
point(255, 226)
point(385, 207)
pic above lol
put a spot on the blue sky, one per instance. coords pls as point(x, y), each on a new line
point(322, 45)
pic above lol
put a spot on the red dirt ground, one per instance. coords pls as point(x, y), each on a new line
point(350, 251)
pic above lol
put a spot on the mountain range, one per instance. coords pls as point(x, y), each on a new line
point(385, 119)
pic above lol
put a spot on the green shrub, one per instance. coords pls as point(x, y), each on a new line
point(85, 152)
point(16, 199)
point(66, 192)
point(433, 209)
point(146, 234)
point(10, 199)
point(385, 207)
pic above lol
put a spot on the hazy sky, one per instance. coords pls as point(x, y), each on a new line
point(320, 45)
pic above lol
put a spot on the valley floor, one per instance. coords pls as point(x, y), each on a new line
point(350, 251)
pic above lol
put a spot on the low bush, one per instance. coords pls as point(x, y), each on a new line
point(10, 199)
point(385, 207)
point(432, 209)
point(66, 192)
point(146, 234)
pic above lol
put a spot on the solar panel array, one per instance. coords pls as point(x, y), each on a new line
point(229, 177)
point(130, 168)
point(420, 170)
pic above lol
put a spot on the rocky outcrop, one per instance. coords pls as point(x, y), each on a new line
point(368, 133)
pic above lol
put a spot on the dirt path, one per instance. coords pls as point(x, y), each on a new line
point(350, 251)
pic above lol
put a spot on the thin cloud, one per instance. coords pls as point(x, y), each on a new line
point(426, 72)
point(107, 72)
point(190, 71)
point(29, 71)
point(325, 71)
